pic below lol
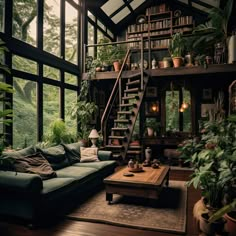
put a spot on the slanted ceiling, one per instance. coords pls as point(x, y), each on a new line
point(117, 14)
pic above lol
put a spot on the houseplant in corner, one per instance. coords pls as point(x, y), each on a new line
point(213, 165)
point(176, 49)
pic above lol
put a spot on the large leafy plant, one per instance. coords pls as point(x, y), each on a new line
point(215, 29)
point(214, 163)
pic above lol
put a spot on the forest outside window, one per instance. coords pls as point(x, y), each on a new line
point(178, 110)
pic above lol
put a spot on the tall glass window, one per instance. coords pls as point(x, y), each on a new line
point(51, 27)
point(90, 39)
point(24, 113)
point(25, 20)
point(70, 98)
point(71, 34)
point(172, 110)
point(2, 9)
point(51, 105)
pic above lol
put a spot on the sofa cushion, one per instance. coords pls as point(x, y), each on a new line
point(88, 154)
point(72, 152)
point(97, 165)
point(55, 156)
point(78, 173)
point(52, 185)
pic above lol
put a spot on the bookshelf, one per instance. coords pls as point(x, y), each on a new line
point(161, 23)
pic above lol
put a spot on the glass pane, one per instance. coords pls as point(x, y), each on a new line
point(71, 79)
point(50, 105)
point(90, 39)
point(110, 33)
point(71, 34)
point(24, 113)
point(1, 105)
point(91, 16)
point(23, 64)
point(187, 124)
point(2, 9)
point(51, 73)
point(99, 23)
point(25, 21)
point(70, 98)
point(172, 110)
point(51, 27)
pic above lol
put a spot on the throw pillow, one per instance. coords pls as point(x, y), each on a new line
point(55, 156)
point(72, 152)
point(88, 154)
point(35, 164)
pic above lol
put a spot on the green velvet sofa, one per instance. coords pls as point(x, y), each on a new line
point(37, 199)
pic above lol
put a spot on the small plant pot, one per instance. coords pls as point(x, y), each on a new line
point(177, 61)
point(116, 65)
point(150, 131)
point(231, 223)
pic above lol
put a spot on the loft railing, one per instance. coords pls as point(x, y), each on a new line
point(117, 89)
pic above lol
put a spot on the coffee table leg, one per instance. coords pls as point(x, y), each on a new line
point(167, 179)
point(109, 197)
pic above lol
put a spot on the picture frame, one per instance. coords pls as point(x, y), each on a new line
point(152, 108)
point(207, 94)
point(151, 92)
point(207, 110)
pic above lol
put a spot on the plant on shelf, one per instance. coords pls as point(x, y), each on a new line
point(215, 31)
point(176, 49)
point(152, 126)
point(84, 110)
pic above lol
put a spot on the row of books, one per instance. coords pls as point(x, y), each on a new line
point(183, 20)
point(183, 30)
point(161, 24)
point(157, 9)
point(161, 32)
point(137, 28)
point(163, 43)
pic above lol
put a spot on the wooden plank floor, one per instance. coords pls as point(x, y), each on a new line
point(76, 228)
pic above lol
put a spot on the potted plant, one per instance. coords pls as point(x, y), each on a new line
point(176, 49)
point(215, 31)
point(84, 110)
point(214, 165)
point(117, 56)
point(152, 126)
point(56, 134)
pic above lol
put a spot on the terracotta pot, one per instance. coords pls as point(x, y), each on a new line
point(231, 223)
point(116, 65)
point(150, 131)
point(207, 228)
point(177, 61)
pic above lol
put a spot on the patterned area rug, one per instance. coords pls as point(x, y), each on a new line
point(167, 214)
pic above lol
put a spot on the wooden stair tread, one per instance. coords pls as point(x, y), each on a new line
point(122, 121)
point(128, 105)
point(133, 82)
point(120, 129)
point(130, 97)
point(131, 90)
point(114, 146)
point(125, 112)
point(117, 137)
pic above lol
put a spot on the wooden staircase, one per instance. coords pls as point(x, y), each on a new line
point(120, 135)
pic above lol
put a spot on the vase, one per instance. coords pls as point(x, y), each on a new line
point(148, 154)
point(177, 61)
point(232, 48)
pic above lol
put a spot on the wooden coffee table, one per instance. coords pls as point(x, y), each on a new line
point(147, 184)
